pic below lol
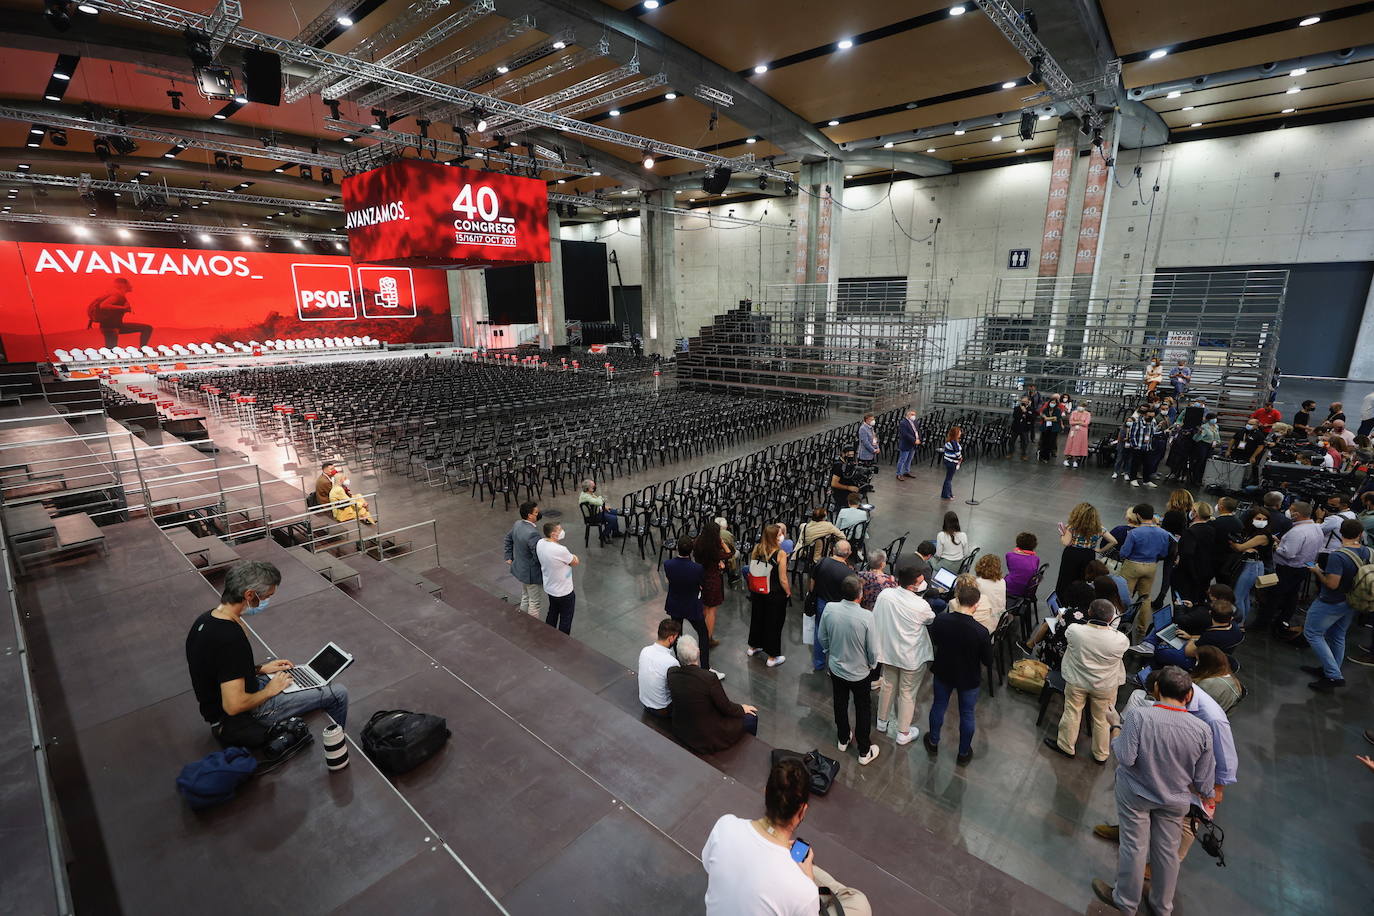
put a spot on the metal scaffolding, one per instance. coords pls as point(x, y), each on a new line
point(1094, 341)
point(864, 346)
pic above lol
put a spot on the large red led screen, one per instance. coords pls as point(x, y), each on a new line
point(413, 212)
point(65, 296)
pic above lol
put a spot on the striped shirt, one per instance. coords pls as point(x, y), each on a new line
point(1138, 433)
point(953, 451)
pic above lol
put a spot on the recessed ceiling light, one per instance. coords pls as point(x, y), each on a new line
point(61, 76)
point(345, 139)
point(751, 140)
point(834, 123)
point(670, 95)
point(1173, 95)
point(848, 177)
point(205, 237)
point(220, 116)
point(1157, 53)
point(1021, 150)
point(34, 143)
point(241, 99)
point(930, 149)
point(651, 4)
point(502, 69)
point(36, 130)
point(760, 68)
point(887, 145)
point(956, 10)
point(562, 181)
point(23, 166)
point(1189, 107)
point(1044, 117)
point(614, 112)
point(1196, 124)
point(596, 174)
point(1301, 71)
point(1293, 90)
point(1288, 111)
point(996, 138)
point(958, 133)
point(1009, 84)
point(844, 44)
point(344, 21)
point(1310, 20)
point(52, 98)
point(559, 45)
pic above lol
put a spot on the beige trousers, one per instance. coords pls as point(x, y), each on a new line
point(855, 903)
point(901, 684)
point(1100, 701)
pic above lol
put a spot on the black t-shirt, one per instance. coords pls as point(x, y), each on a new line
point(962, 647)
point(1245, 443)
point(1302, 418)
point(1224, 639)
point(218, 651)
point(1193, 620)
point(830, 572)
point(844, 473)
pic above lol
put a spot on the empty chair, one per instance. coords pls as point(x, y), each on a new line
point(164, 350)
point(62, 356)
point(148, 351)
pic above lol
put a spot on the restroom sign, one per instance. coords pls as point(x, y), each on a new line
point(1018, 258)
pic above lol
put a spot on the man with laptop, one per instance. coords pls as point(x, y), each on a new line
point(238, 697)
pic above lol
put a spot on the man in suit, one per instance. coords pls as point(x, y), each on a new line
point(704, 718)
point(324, 483)
point(868, 440)
point(907, 439)
point(520, 548)
point(683, 601)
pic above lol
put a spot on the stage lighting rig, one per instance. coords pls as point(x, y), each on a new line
point(58, 13)
point(307, 173)
point(175, 97)
point(327, 175)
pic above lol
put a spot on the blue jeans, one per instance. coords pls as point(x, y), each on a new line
point(904, 461)
point(817, 653)
point(1123, 459)
point(561, 609)
point(1250, 570)
point(948, 491)
point(610, 523)
point(1166, 654)
point(332, 698)
point(968, 699)
point(1325, 629)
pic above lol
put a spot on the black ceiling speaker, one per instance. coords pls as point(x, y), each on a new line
point(717, 181)
point(106, 205)
point(262, 76)
point(1027, 131)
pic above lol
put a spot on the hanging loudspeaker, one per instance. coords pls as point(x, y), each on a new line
point(262, 76)
point(717, 181)
point(106, 205)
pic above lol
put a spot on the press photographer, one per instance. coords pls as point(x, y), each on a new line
point(847, 476)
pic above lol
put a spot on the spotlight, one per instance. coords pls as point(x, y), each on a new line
point(295, 213)
point(479, 119)
point(834, 123)
point(1035, 74)
point(1310, 20)
point(236, 163)
point(500, 140)
point(177, 103)
point(58, 136)
point(957, 10)
point(221, 161)
point(614, 112)
point(58, 13)
point(333, 108)
point(423, 124)
point(559, 45)
point(760, 68)
point(307, 173)
point(670, 95)
point(240, 99)
point(1031, 20)
point(1009, 84)
point(122, 145)
point(1157, 53)
point(844, 44)
point(345, 21)
point(651, 4)
point(888, 145)
point(327, 176)
point(763, 182)
point(1173, 95)
point(648, 158)
point(502, 68)
point(88, 9)
point(751, 139)
point(379, 119)
point(102, 149)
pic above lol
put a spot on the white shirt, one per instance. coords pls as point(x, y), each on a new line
point(900, 618)
point(1093, 657)
point(951, 549)
point(654, 662)
point(995, 596)
point(555, 561)
point(749, 875)
point(1367, 407)
point(850, 516)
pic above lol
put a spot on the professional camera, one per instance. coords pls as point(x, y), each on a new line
point(285, 740)
point(859, 475)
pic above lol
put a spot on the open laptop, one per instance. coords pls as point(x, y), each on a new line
point(944, 579)
point(320, 670)
point(1165, 628)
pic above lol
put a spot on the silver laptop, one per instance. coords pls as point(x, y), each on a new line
point(1170, 635)
point(945, 578)
point(320, 670)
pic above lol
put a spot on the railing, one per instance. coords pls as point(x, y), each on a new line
point(51, 817)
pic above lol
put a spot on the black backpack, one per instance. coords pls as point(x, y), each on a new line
point(398, 740)
point(821, 768)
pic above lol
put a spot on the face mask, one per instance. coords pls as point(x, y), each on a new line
point(562, 534)
point(262, 606)
point(1249, 426)
point(347, 482)
point(1260, 523)
point(1213, 422)
point(539, 515)
point(331, 472)
point(921, 586)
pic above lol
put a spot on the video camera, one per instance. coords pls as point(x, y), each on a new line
point(855, 473)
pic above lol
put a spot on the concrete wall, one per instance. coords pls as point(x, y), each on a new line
point(1219, 203)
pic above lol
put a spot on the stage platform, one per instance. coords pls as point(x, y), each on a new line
point(551, 796)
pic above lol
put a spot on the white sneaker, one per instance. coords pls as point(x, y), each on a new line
point(1066, 462)
point(871, 756)
point(719, 674)
point(751, 652)
point(844, 745)
point(882, 725)
point(875, 685)
point(1151, 483)
point(774, 662)
point(1115, 475)
point(1075, 464)
point(908, 737)
point(1135, 483)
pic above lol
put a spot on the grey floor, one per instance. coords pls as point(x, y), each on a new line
point(1300, 833)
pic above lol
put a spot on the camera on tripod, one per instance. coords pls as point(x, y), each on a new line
point(859, 475)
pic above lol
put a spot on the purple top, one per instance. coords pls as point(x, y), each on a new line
point(1021, 568)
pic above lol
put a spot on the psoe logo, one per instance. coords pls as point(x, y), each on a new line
point(324, 292)
point(387, 292)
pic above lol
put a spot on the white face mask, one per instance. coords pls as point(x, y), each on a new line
point(561, 534)
point(1260, 523)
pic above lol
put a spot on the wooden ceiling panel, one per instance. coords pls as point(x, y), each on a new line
point(1007, 102)
point(1274, 88)
point(682, 122)
point(1272, 105)
point(962, 53)
point(739, 35)
point(1143, 25)
point(1324, 36)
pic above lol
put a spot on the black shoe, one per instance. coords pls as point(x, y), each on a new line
point(1027, 650)
point(1053, 744)
point(1103, 890)
point(963, 759)
point(1369, 736)
point(930, 745)
point(1314, 670)
point(1326, 685)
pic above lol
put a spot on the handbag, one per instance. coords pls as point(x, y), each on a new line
point(759, 575)
point(1266, 580)
point(809, 629)
point(821, 768)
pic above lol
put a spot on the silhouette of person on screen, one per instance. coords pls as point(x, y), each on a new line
point(108, 312)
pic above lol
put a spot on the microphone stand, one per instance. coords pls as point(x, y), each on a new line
point(977, 459)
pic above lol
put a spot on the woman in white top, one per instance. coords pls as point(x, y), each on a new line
point(991, 583)
point(980, 611)
point(750, 867)
point(1154, 374)
point(951, 544)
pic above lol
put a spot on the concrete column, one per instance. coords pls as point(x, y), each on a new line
point(1362, 360)
point(658, 266)
point(548, 291)
point(816, 258)
point(467, 297)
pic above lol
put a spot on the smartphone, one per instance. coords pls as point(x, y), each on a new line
point(799, 850)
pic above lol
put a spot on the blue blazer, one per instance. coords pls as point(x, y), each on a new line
point(684, 588)
point(906, 435)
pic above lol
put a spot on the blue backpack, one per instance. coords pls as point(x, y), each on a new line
point(213, 779)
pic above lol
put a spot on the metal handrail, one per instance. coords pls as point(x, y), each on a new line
point(51, 816)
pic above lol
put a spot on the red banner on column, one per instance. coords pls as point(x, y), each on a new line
point(1090, 226)
point(1061, 172)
